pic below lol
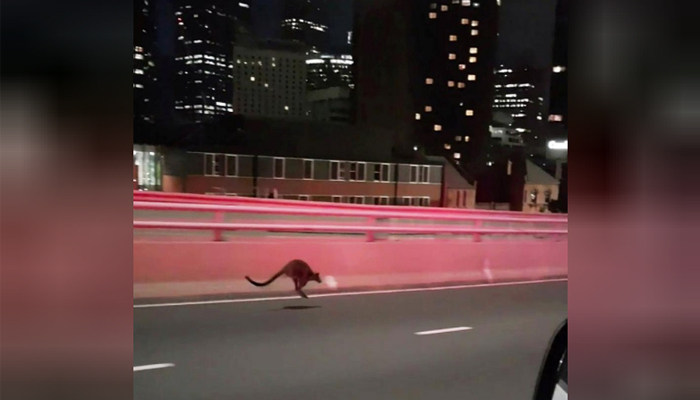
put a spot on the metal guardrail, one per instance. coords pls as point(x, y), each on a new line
point(369, 229)
point(161, 197)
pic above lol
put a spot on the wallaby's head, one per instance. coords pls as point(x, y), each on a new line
point(316, 277)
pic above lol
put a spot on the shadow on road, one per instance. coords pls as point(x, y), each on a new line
point(297, 308)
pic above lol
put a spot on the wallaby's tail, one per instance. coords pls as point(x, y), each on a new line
point(277, 275)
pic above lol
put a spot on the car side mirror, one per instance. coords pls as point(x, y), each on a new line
point(553, 380)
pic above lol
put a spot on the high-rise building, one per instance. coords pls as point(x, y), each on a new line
point(269, 79)
point(326, 71)
point(205, 31)
point(424, 69)
point(520, 94)
point(305, 21)
point(331, 104)
point(144, 71)
point(558, 106)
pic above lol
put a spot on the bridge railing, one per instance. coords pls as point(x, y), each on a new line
point(373, 220)
point(161, 197)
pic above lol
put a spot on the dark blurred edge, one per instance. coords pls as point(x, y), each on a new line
point(75, 57)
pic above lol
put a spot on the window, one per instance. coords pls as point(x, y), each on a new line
point(337, 199)
point(475, 23)
point(457, 156)
point(357, 171)
point(231, 165)
point(304, 197)
point(429, 81)
point(428, 109)
point(425, 201)
point(414, 174)
point(433, 6)
point(471, 77)
point(467, 138)
point(458, 138)
point(425, 174)
point(213, 164)
point(558, 69)
point(432, 15)
point(475, 32)
point(453, 38)
point(448, 146)
point(461, 85)
point(472, 60)
point(462, 67)
point(556, 118)
point(451, 83)
point(474, 50)
point(437, 128)
point(359, 200)
point(444, 8)
point(384, 200)
point(466, 3)
point(469, 113)
point(279, 168)
point(417, 116)
point(547, 196)
point(465, 21)
point(452, 56)
point(381, 172)
point(308, 169)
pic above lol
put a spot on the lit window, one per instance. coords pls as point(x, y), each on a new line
point(452, 56)
point(286, 108)
point(451, 83)
point(556, 118)
point(443, 8)
point(458, 138)
point(472, 60)
point(138, 49)
point(558, 69)
point(432, 15)
point(428, 109)
point(475, 23)
point(465, 21)
point(461, 85)
point(469, 113)
point(252, 79)
point(138, 71)
point(138, 56)
point(457, 156)
point(475, 32)
point(473, 50)
point(466, 3)
point(438, 128)
point(471, 77)
point(417, 117)
point(453, 38)
point(466, 138)
point(448, 146)
point(462, 67)
point(429, 81)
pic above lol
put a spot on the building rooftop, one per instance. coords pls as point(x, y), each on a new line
point(538, 176)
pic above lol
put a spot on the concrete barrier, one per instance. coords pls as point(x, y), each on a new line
point(171, 269)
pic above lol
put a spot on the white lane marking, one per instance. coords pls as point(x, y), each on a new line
point(432, 289)
point(446, 330)
point(152, 366)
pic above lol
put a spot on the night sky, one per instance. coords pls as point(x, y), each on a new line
point(526, 27)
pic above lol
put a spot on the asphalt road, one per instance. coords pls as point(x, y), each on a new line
point(351, 347)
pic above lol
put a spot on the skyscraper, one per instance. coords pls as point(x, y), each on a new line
point(328, 71)
point(306, 21)
point(144, 73)
point(558, 108)
point(424, 69)
point(205, 31)
point(520, 95)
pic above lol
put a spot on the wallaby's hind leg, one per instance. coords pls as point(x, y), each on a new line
point(302, 294)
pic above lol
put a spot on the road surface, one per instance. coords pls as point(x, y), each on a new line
point(474, 343)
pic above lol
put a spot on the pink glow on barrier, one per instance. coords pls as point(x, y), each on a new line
point(140, 196)
point(162, 266)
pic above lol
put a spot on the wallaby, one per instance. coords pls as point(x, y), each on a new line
point(299, 271)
